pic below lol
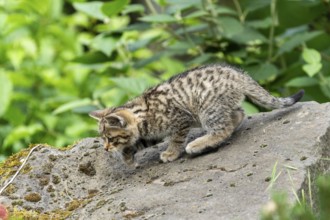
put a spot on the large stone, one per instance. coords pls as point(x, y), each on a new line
point(233, 182)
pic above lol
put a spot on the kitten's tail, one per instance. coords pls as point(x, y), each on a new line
point(261, 97)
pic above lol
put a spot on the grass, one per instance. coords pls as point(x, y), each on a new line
point(279, 208)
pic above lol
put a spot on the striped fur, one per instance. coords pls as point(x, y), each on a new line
point(207, 97)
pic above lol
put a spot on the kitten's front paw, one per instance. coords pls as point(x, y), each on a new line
point(168, 156)
point(193, 149)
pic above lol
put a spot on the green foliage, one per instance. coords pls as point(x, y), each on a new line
point(324, 197)
point(313, 61)
point(5, 90)
point(37, 42)
point(280, 209)
point(63, 58)
point(114, 7)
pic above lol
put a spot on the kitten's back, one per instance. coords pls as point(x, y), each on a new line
point(219, 79)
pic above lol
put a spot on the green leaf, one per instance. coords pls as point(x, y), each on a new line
point(184, 2)
point(230, 26)
point(14, 115)
point(56, 8)
point(262, 24)
point(312, 69)
point(173, 67)
point(200, 59)
point(2, 158)
point(92, 9)
point(111, 96)
point(261, 72)
point(225, 10)
point(325, 86)
point(142, 43)
point(254, 5)
point(176, 6)
point(323, 183)
point(72, 105)
point(84, 109)
point(192, 28)
point(114, 7)
point(302, 82)
point(311, 56)
point(180, 46)
point(16, 56)
point(196, 14)
point(132, 86)
point(40, 7)
point(305, 12)
point(21, 132)
point(92, 58)
point(249, 108)
point(248, 35)
point(133, 8)
point(326, 90)
point(159, 18)
point(143, 62)
point(6, 89)
point(297, 40)
point(105, 44)
point(75, 130)
point(3, 21)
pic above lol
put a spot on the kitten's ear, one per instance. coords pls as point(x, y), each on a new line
point(116, 121)
point(97, 114)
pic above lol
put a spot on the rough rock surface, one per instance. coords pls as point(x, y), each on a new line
point(230, 183)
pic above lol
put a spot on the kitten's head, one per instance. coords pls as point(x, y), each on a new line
point(118, 129)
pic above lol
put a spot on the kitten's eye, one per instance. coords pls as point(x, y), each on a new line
point(109, 139)
point(106, 139)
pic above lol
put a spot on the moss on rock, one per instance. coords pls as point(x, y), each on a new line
point(20, 214)
point(33, 197)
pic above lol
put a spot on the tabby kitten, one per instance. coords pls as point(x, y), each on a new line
point(208, 97)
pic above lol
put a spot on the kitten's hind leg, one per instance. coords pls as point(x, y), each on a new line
point(175, 147)
point(237, 117)
point(210, 140)
point(219, 128)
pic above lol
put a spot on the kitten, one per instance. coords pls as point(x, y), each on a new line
point(208, 97)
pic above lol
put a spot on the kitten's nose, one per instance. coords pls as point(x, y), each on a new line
point(107, 147)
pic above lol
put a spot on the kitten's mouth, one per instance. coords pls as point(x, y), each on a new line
point(108, 148)
point(128, 155)
point(129, 151)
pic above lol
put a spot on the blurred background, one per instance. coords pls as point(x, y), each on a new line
point(60, 59)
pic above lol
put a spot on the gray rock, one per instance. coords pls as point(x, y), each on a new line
point(233, 182)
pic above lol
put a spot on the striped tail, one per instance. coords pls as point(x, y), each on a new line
point(261, 97)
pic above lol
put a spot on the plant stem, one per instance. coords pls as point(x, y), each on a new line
point(324, 82)
point(241, 15)
point(151, 7)
point(284, 66)
point(212, 23)
point(272, 29)
point(325, 56)
point(310, 188)
point(189, 39)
